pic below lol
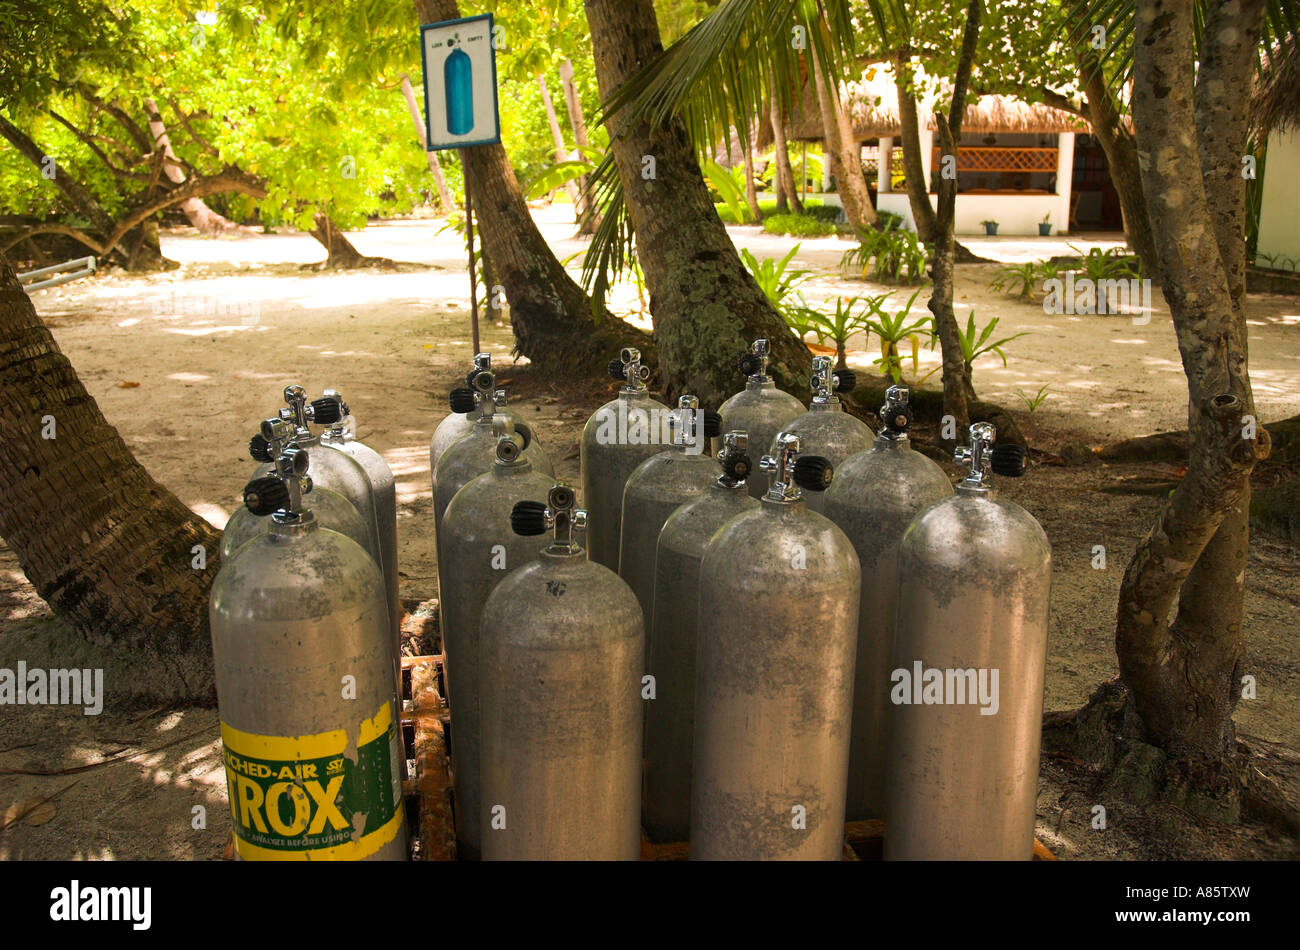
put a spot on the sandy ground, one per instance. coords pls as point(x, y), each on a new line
point(212, 344)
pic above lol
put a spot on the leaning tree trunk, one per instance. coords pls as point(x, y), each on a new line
point(751, 189)
point(440, 182)
point(957, 387)
point(588, 215)
point(196, 210)
point(554, 322)
point(1121, 159)
point(107, 547)
point(706, 307)
point(787, 195)
point(843, 152)
point(557, 137)
point(918, 196)
point(1183, 677)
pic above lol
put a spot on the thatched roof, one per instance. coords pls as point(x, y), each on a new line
point(1276, 103)
point(873, 103)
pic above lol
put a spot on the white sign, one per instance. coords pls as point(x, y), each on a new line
point(460, 83)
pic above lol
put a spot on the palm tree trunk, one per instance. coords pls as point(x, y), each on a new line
point(751, 189)
point(787, 195)
point(107, 547)
point(843, 152)
point(553, 320)
point(706, 307)
point(557, 137)
point(588, 216)
point(439, 180)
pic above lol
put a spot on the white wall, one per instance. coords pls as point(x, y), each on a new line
point(1015, 214)
point(1279, 217)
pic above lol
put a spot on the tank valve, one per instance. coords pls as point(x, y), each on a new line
point(511, 442)
point(531, 518)
point(482, 362)
point(628, 368)
point(827, 382)
point(982, 456)
point(793, 472)
point(896, 414)
point(329, 410)
point(754, 363)
point(690, 424)
point(281, 494)
point(734, 456)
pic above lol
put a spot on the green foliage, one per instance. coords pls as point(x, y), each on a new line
point(895, 252)
point(1279, 261)
point(893, 329)
point(976, 343)
point(800, 225)
point(778, 280)
point(1021, 280)
point(557, 176)
point(1111, 264)
point(813, 207)
point(847, 320)
point(1033, 402)
point(731, 193)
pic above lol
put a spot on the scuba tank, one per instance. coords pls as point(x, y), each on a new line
point(305, 684)
point(473, 454)
point(826, 428)
point(476, 526)
point(655, 490)
point(618, 437)
point(465, 412)
point(383, 490)
point(875, 496)
point(670, 715)
point(330, 509)
point(966, 693)
point(760, 409)
point(776, 635)
point(561, 657)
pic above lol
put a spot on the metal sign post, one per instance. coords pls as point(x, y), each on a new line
point(460, 105)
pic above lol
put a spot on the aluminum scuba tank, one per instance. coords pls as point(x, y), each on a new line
point(561, 657)
point(464, 413)
point(670, 715)
point(875, 496)
point(383, 489)
point(974, 578)
point(657, 487)
point(760, 409)
point(618, 437)
point(473, 454)
point(826, 428)
point(776, 637)
point(305, 685)
point(476, 526)
point(330, 509)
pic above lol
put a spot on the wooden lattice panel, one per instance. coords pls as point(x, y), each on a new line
point(993, 159)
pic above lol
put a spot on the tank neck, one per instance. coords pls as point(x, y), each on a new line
point(884, 442)
point(520, 466)
point(974, 491)
point(783, 505)
point(829, 404)
point(757, 383)
point(294, 526)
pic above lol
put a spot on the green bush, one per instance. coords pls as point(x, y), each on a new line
point(767, 206)
point(801, 225)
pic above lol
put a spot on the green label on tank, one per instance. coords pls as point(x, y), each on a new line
point(309, 797)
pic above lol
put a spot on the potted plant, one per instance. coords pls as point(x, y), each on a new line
point(1045, 226)
point(990, 227)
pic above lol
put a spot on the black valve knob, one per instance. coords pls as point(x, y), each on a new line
point(616, 370)
point(749, 364)
point(326, 411)
point(1009, 460)
point(260, 449)
point(737, 467)
point(896, 418)
point(712, 424)
point(265, 495)
point(525, 432)
point(528, 518)
point(462, 400)
point(844, 380)
point(813, 473)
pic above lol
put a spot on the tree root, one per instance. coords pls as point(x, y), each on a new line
point(1104, 737)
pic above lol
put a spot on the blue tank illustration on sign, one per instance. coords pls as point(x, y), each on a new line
point(456, 75)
